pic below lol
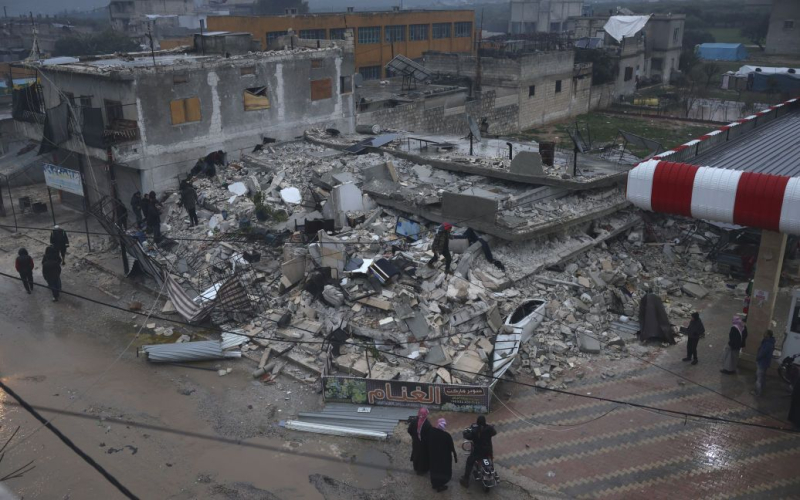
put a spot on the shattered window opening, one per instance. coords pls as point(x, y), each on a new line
point(178, 79)
point(247, 70)
point(345, 84)
point(255, 99)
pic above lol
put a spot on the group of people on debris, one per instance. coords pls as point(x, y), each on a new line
point(737, 340)
point(55, 256)
point(147, 210)
point(432, 447)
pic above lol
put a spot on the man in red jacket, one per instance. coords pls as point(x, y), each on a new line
point(24, 266)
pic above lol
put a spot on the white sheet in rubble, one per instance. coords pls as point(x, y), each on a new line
point(620, 27)
point(208, 295)
point(238, 188)
point(291, 195)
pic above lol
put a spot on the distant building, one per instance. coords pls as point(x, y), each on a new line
point(140, 19)
point(542, 16)
point(155, 122)
point(648, 56)
point(783, 36)
point(722, 52)
point(378, 36)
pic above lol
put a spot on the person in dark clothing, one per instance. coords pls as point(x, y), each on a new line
point(136, 206)
point(763, 360)
point(59, 239)
point(51, 271)
point(24, 266)
point(144, 204)
point(694, 331)
point(189, 200)
point(731, 356)
point(441, 246)
point(473, 237)
point(794, 409)
point(122, 215)
point(440, 446)
point(481, 434)
point(418, 429)
point(154, 222)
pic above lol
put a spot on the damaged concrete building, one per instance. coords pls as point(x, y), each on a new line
point(141, 122)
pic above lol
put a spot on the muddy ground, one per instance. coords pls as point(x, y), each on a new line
point(167, 431)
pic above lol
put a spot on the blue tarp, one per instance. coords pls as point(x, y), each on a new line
point(722, 51)
point(784, 83)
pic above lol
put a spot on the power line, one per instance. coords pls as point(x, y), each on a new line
point(492, 377)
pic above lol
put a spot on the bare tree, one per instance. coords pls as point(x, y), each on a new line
point(710, 70)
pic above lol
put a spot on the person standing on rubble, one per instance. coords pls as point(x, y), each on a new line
point(189, 200)
point(24, 266)
point(441, 246)
point(59, 240)
point(735, 342)
point(153, 217)
point(122, 215)
point(418, 429)
point(136, 206)
point(51, 270)
point(694, 331)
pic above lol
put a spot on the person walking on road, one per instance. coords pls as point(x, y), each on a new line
point(418, 429)
point(51, 271)
point(694, 331)
point(763, 360)
point(60, 240)
point(189, 200)
point(440, 447)
point(441, 246)
point(730, 356)
point(136, 206)
point(24, 266)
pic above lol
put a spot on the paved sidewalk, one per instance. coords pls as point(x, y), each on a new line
point(587, 452)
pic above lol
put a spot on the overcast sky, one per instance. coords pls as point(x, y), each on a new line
point(17, 7)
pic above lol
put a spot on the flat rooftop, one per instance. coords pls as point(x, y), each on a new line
point(773, 148)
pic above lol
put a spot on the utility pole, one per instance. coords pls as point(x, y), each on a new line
point(150, 37)
point(202, 38)
point(478, 69)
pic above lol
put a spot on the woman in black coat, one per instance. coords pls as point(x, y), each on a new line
point(419, 428)
point(440, 446)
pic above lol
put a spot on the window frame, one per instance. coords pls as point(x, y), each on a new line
point(317, 31)
point(628, 74)
point(458, 29)
point(390, 30)
point(418, 32)
point(370, 68)
point(370, 35)
point(439, 36)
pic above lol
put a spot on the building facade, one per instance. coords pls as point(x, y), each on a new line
point(154, 123)
point(542, 16)
point(378, 36)
point(783, 36)
point(663, 45)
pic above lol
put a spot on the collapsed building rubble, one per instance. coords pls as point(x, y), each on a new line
point(335, 281)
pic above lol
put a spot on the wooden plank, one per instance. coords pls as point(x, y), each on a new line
point(321, 89)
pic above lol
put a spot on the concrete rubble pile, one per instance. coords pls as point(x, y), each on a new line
point(333, 285)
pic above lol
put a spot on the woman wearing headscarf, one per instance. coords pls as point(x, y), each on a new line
point(440, 446)
point(735, 341)
point(418, 428)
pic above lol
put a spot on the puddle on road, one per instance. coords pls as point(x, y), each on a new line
point(371, 468)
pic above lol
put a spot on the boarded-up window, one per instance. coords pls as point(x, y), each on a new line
point(185, 110)
point(321, 89)
point(255, 99)
point(247, 70)
point(176, 79)
point(316, 63)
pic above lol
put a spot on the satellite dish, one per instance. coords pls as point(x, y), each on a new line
point(358, 80)
point(473, 128)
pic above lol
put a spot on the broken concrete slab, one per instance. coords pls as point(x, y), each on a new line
point(418, 325)
point(694, 290)
point(588, 343)
point(382, 171)
point(527, 163)
point(437, 355)
point(294, 270)
point(444, 375)
point(457, 207)
point(468, 365)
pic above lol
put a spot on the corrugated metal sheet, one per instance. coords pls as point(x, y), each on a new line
point(378, 419)
point(773, 148)
point(187, 351)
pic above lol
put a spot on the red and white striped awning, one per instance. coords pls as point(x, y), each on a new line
point(745, 198)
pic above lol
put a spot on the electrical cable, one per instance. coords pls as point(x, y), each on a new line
point(533, 386)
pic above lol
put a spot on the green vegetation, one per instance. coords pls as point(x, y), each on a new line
point(728, 35)
point(604, 129)
point(105, 42)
